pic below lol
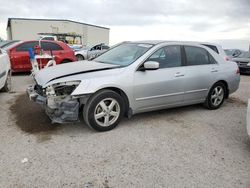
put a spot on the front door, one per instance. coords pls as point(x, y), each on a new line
point(164, 87)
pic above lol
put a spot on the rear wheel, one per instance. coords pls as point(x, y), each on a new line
point(66, 61)
point(216, 96)
point(7, 85)
point(104, 110)
point(79, 57)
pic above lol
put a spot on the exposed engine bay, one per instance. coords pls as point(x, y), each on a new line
point(59, 105)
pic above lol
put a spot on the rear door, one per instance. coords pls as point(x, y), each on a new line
point(19, 56)
point(55, 49)
point(201, 73)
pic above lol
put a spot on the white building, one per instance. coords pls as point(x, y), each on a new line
point(28, 29)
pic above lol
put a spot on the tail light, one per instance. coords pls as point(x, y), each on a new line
point(238, 71)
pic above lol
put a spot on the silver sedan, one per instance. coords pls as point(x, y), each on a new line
point(135, 77)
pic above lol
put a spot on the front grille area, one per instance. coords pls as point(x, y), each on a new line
point(242, 64)
point(39, 90)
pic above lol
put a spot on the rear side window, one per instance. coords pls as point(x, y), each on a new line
point(169, 56)
point(197, 56)
point(48, 38)
point(48, 46)
point(26, 46)
point(105, 47)
point(214, 48)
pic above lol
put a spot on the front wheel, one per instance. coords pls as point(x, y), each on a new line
point(216, 96)
point(104, 110)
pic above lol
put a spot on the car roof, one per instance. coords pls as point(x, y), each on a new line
point(155, 42)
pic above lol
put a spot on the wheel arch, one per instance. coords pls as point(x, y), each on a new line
point(121, 93)
point(115, 89)
point(226, 85)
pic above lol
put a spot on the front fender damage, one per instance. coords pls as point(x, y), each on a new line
point(60, 109)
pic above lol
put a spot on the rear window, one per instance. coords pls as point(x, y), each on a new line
point(48, 46)
point(214, 48)
point(26, 46)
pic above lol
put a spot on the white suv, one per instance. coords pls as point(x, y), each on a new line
point(5, 72)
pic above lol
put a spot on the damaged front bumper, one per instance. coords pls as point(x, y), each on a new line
point(60, 109)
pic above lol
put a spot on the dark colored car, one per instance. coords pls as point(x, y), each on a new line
point(19, 54)
point(243, 61)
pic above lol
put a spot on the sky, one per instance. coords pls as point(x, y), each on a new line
point(226, 22)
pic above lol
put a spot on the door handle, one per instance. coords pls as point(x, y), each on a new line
point(179, 74)
point(214, 70)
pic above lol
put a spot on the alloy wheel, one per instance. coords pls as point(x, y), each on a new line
point(217, 95)
point(107, 112)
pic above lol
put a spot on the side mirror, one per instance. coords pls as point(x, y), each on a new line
point(150, 65)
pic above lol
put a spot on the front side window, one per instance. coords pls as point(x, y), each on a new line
point(124, 54)
point(26, 46)
point(169, 56)
point(196, 56)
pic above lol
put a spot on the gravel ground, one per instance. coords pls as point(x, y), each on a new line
point(182, 147)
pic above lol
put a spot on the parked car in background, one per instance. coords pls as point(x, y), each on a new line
point(233, 52)
point(243, 61)
point(6, 43)
point(86, 53)
point(218, 49)
point(135, 77)
point(19, 54)
point(5, 71)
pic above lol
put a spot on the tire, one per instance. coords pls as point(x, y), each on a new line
point(98, 112)
point(79, 57)
point(66, 61)
point(7, 85)
point(216, 96)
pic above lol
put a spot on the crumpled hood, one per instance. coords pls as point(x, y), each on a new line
point(63, 70)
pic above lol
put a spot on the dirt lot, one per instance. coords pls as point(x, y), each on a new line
point(183, 147)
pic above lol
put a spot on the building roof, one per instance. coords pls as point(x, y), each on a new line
point(65, 20)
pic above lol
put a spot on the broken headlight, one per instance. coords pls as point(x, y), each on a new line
point(64, 88)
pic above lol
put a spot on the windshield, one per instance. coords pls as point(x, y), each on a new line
point(245, 55)
point(229, 52)
point(124, 54)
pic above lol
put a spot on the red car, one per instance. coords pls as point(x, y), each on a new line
point(19, 54)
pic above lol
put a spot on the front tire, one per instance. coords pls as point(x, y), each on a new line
point(79, 57)
point(104, 110)
point(7, 85)
point(216, 96)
